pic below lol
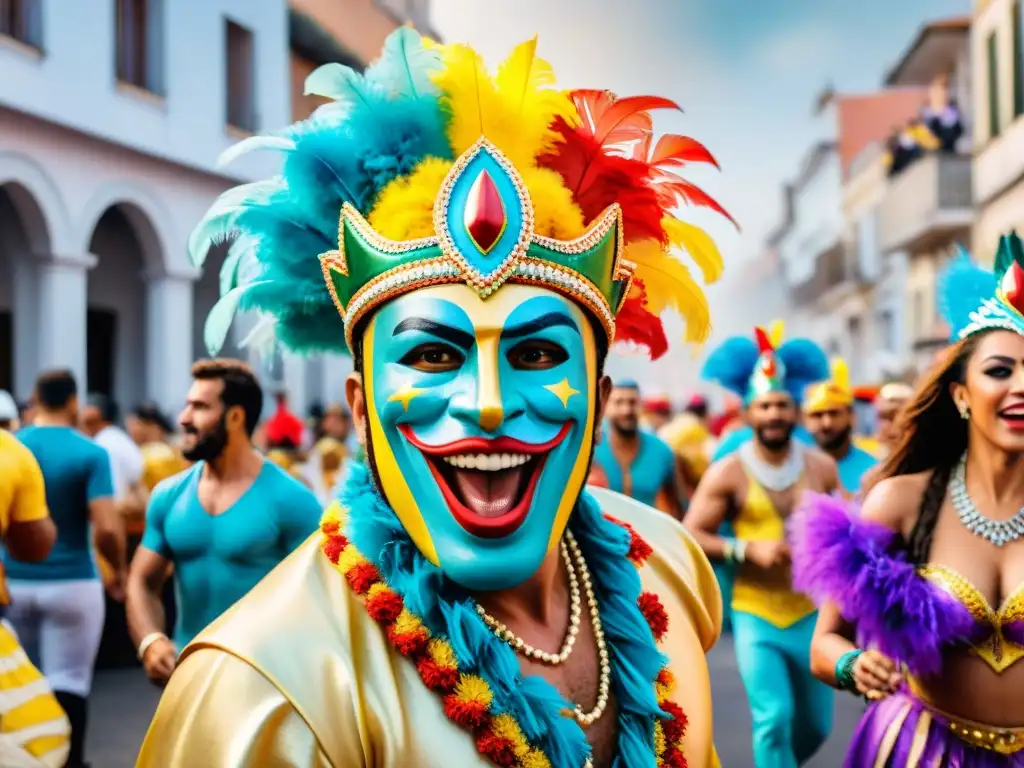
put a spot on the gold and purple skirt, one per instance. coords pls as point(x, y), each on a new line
point(901, 731)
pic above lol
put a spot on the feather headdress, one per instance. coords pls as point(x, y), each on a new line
point(755, 366)
point(427, 169)
point(972, 299)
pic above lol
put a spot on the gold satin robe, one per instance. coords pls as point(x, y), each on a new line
point(297, 675)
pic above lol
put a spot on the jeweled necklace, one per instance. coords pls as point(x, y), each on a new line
point(575, 611)
point(576, 564)
point(998, 532)
point(770, 476)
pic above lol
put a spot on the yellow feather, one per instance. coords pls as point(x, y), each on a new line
point(513, 112)
point(841, 374)
point(669, 285)
point(698, 243)
point(405, 207)
point(776, 333)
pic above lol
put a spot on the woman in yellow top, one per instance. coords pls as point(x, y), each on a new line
point(34, 731)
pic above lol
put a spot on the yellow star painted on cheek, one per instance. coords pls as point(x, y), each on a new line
point(405, 395)
point(563, 391)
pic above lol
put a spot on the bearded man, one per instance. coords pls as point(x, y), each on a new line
point(466, 603)
point(756, 489)
point(223, 524)
point(828, 413)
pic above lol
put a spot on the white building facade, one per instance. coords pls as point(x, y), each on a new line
point(113, 115)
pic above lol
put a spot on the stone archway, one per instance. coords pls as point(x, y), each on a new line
point(128, 253)
point(206, 292)
point(24, 237)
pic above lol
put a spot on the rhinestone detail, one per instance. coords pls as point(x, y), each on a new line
point(998, 532)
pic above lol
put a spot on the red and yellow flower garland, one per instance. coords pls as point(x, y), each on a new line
point(467, 698)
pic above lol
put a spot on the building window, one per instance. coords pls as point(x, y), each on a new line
point(22, 20)
point(993, 86)
point(140, 43)
point(885, 323)
point(241, 77)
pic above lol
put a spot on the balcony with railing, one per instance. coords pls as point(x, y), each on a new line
point(837, 270)
point(927, 204)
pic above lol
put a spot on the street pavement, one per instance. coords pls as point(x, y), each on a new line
point(123, 702)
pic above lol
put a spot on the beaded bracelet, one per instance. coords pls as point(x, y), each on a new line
point(844, 670)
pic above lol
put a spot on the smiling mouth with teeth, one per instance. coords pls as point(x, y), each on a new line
point(488, 484)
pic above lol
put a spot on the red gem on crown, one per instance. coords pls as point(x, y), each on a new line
point(485, 212)
point(1013, 287)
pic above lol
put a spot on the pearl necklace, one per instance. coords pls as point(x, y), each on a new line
point(575, 612)
point(774, 478)
point(570, 547)
point(998, 532)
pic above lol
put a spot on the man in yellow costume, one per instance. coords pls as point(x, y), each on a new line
point(466, 602)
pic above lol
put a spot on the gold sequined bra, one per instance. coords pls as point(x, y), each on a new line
point(999, 639)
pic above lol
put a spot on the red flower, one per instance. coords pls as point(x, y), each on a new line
point(496, 749)
point(384, 606)
point(665, 677)
point(639, 550)
point(436, 677)
point(330, 528)
point(361, 577)
point(408, 643)
point(676, 727)
point(333, 547)
point(652, 609)
point(469, 714)
point(673, 758)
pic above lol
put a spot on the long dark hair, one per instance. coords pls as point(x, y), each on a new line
point(933, 438)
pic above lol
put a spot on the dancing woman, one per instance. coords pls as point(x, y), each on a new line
point(929, 578)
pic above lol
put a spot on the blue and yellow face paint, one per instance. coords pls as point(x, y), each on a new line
point(481, 414)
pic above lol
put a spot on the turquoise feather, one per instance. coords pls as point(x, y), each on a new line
point(960, 290)
point(732, 364)
point(218, 322)
point(405, 67)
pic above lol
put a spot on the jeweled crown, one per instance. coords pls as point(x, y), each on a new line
point(1000, 304)
point(484, 225)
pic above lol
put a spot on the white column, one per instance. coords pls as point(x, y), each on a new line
point(61, 314)
point(169, 338)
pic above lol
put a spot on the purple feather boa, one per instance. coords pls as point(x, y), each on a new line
point(838, 557)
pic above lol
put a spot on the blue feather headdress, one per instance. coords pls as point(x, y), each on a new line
point(972, 299)
point(754, 366)
point(379, 126)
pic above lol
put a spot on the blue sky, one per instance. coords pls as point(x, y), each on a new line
point(746, 72)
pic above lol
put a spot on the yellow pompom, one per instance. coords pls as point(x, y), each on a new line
point(334, 513)
point(349, 558)
point(405, 207)
point(441, 653)
point(504, 726)
point(534, 759)
point(474, 689)
point(407, 623)
point(659, 740)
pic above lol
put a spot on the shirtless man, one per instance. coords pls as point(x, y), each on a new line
point(756, 489)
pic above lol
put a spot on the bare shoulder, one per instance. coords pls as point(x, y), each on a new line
point(895, 501)
point(723, 474)
point(822, 468)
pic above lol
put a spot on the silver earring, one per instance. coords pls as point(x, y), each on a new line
point(965, 411)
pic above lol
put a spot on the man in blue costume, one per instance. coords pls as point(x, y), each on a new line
point(828, 411)
point(756, 489)
point(636, 462)
point(466, 602)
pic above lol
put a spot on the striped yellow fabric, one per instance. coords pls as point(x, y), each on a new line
point(34, 731)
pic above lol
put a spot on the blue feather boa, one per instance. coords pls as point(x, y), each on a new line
point(447, 610)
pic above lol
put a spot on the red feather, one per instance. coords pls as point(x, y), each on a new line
point(672, 149)
point(635, 324)
point(284, 427)
point(764, 344)
point(608, 159)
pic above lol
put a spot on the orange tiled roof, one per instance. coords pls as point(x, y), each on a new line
point(863, 119)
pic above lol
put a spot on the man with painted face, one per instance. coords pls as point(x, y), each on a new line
point(756, 489)
point(465, 603)
point(223, 524)
point(828, 413)
point(636, 462)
